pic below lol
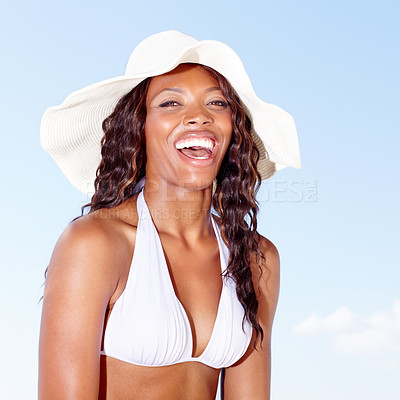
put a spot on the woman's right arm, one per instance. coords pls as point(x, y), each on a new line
point(79, 283)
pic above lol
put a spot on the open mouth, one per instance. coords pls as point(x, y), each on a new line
point(197, 148)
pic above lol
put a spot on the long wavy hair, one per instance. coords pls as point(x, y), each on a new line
point(122, 166)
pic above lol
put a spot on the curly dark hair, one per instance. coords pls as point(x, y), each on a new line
point(123, 152)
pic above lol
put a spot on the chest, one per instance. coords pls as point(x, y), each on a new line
point(195, 275)
point(175, 306)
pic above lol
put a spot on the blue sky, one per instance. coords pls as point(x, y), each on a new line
point(332, 65)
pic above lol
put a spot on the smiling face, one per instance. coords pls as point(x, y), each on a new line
point(188, 127)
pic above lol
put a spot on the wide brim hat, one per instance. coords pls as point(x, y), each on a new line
point(71, 132)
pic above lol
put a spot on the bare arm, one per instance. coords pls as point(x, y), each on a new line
point(79, 284)
point(250, 377)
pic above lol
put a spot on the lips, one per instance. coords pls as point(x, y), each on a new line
point(197, 148)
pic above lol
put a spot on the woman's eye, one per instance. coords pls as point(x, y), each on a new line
point(219, 103)
point(170, 103)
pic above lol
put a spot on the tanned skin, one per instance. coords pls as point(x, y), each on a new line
point(90, 264)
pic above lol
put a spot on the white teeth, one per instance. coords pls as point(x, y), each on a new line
point(191, 142)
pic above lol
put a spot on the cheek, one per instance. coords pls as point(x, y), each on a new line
point(154, 131)
point(227, 126)
point(159, 126)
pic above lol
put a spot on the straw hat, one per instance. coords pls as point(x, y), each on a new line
point(71, 132)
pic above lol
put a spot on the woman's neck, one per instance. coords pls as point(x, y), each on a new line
point(179, 211)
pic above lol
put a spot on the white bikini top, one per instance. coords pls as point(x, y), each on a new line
point(148, 325)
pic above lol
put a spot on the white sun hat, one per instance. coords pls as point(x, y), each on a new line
point(71, 132)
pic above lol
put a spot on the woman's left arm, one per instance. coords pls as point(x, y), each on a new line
point(250, 377)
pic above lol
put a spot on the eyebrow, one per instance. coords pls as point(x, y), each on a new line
point(179, 90)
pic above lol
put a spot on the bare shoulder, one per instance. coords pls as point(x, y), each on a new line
point(269, 249)
point(88, 238)
point(269, 263)
point(266, 281)
point(93, 250)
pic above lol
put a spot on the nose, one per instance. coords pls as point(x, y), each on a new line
point(197, 116)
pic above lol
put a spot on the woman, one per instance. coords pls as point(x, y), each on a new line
point(150, 295)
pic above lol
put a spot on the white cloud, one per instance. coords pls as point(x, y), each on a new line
point(341, 320)
point(377, 334)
